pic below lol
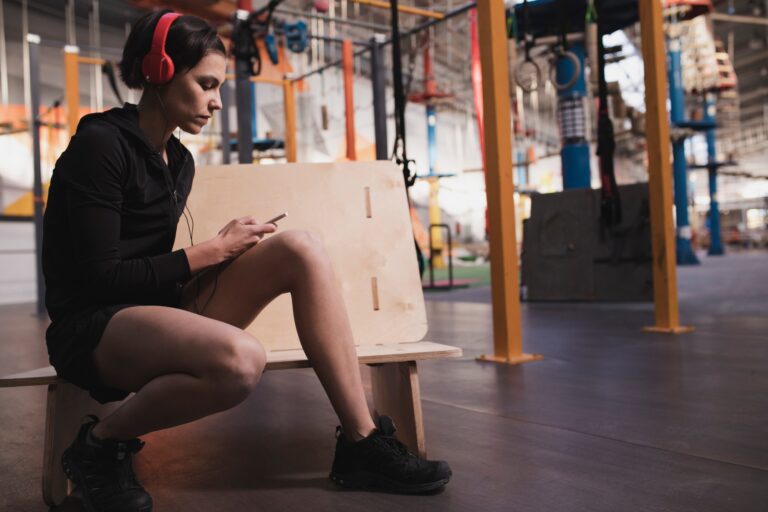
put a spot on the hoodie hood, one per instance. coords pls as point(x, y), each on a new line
point(126, 118)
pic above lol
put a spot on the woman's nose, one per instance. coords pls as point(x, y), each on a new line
point(216, 102)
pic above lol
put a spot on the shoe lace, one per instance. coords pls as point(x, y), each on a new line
point(125, 452)
point(394, 453)
point(114, 471)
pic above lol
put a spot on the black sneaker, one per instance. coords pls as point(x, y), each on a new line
point(102, 470)
point(380, 461)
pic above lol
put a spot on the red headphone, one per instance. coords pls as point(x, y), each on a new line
point(157, 66)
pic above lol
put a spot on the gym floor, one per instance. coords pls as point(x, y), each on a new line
point(611, 419)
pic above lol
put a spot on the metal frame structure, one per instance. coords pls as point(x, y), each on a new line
point(498, 152)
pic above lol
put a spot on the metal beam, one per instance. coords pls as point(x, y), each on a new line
point(406, 9)
point(754, 109)
point(37, 193)
point(349, 102)
point(3, 60)
point(379, 83)
point(72, 87)
point(659, 171)
point(750, 59)
point(243, 93)
point(289, 112)
point(500, 187)
point(735, 18)
point(226, 100)
point(751, 95)
point(338, 40)
point(330, 19)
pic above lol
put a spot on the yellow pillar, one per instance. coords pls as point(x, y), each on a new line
point(435, 217)
point(505, 282)
point(659, 170)
point(72, 86)
point(289, 101)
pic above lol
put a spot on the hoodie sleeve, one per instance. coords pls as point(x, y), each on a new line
point(94, 171)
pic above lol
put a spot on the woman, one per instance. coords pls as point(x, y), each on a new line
point(129, 315)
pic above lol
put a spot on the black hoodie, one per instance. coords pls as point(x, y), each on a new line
point(110, 222)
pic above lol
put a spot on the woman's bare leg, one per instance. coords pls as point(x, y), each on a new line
point(182, 367)
point(294, 262)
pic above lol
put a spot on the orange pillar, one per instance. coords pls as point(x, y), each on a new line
point(72, 87)
point(349, 103)
point(289, 103)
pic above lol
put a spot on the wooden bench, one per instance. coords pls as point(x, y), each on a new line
point(360, 212)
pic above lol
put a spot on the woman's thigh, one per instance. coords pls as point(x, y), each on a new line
point(141, 343)
point(238, 291)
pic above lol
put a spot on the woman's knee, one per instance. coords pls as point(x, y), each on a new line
point(301, 246)
point(236, 367)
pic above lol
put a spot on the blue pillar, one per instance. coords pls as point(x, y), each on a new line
point(574, 153)
point(715, 244)
point(521, 165)
point(254, 121)
point(685, 254)
point(431, 138)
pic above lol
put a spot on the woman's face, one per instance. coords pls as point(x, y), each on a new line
point(192, 96)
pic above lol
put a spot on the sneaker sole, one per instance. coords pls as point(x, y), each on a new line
point(365, 480)
point(74, 475)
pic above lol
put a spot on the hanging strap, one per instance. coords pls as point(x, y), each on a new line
point(399, 152)
point(610, 202)
point(527, 33)
point(109, 69)
point(563, 22)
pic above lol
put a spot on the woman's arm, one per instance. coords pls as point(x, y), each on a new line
point(204, 255)
point(93, 171)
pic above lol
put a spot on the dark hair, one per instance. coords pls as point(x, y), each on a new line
point(189, 40)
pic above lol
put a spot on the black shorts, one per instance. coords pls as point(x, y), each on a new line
point(71, 343)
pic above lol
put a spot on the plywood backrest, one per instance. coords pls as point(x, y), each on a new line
point(360, 212)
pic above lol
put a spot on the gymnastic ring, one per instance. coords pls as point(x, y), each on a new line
point(524, 87)
point(576, 70)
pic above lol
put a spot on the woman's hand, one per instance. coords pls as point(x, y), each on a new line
point(241, 234)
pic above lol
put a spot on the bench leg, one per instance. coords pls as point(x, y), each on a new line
point(396, 394)
point(66, 405)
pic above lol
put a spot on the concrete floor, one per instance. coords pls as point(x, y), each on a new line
point(612, 419)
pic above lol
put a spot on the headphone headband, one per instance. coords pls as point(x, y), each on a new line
point(161, 31)
point(157, 65)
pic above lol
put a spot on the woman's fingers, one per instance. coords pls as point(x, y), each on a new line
point(263, 229)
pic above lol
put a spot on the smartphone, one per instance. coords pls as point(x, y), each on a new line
point(275, 219)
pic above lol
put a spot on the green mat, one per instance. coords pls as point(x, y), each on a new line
point(482, 274)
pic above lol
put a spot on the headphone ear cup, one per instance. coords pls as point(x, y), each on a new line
point(157, 68)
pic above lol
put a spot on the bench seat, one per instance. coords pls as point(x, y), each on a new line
point(282, 360)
